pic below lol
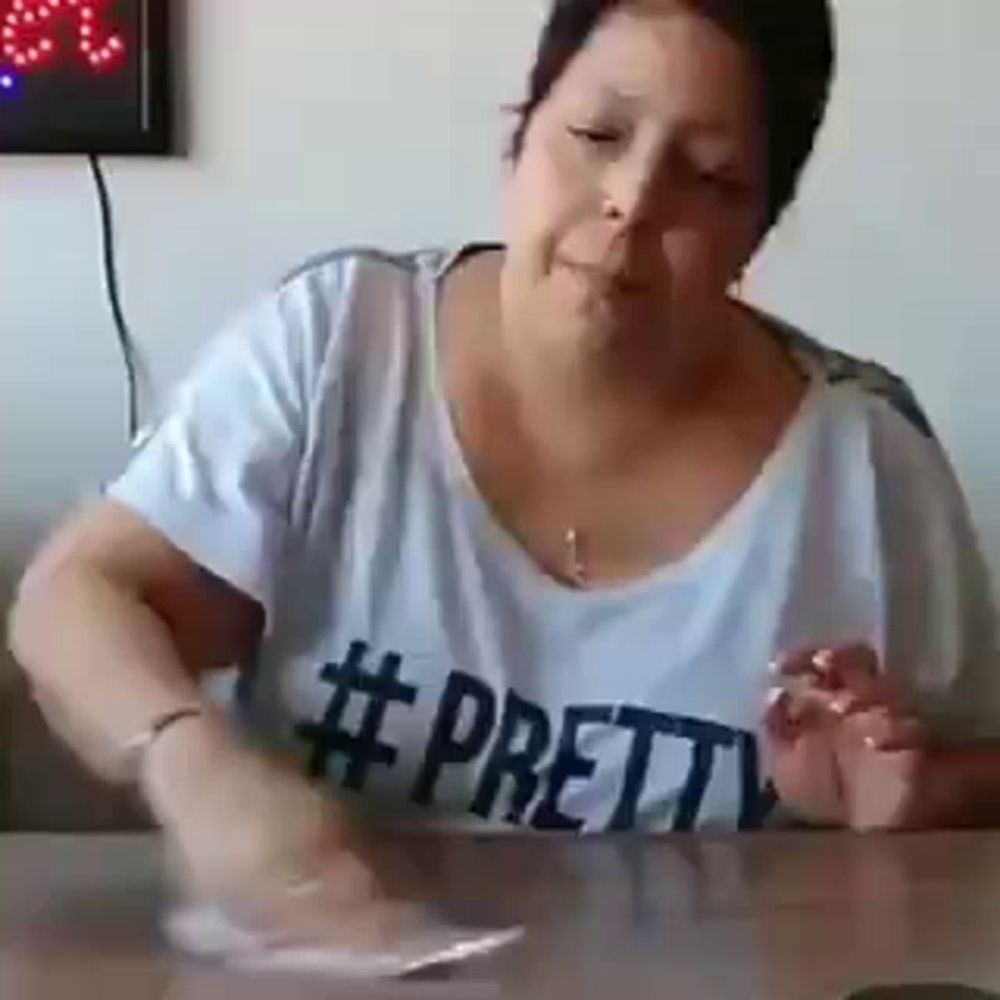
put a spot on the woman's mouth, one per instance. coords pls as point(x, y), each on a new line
point(609, 282)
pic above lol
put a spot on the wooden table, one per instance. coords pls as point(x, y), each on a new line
point(760, 916)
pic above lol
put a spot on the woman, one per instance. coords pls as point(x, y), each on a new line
point(512, 534)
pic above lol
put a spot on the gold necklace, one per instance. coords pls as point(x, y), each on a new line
point(576, 565)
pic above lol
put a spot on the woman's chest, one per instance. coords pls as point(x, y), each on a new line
point(486, 722)
point(431, 683)
point(420, 661)
point(622, 511)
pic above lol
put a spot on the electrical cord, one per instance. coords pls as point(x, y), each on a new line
point(130, 355)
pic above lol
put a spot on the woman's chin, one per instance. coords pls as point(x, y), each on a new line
point(605, 320)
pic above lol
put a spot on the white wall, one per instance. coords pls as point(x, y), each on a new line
point(319, 123)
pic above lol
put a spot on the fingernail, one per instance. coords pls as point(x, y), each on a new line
point(823, 660)
point(774, 695)
point(871, 743)
point(840, 706)
point(774, 667)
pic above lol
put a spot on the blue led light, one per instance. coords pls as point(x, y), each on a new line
point(7, 83)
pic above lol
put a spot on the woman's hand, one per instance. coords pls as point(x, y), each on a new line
point(255, 838)
point(839, 747)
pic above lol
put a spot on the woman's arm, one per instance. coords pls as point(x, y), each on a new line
point(935, 697)
point(115, 626)
point(844, 750)
point(960, 787)
point(172, 576)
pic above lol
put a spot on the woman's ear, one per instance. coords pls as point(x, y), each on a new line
point(510, 155)
point(507, 173)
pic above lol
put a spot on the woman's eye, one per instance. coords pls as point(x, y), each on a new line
point(711, 177)
point(595, 136)
point(724, 182)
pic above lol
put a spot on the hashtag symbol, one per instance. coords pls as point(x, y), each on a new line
point(362, 748)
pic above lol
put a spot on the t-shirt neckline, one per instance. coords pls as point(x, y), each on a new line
point(790, 448)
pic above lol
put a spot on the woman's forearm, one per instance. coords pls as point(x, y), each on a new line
point(963, 786)
point(102, 663)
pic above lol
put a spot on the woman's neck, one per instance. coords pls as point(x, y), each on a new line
point(580, 404)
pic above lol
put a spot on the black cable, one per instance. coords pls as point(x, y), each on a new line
point(126, 344)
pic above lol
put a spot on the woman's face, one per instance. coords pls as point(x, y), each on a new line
point(640, 191)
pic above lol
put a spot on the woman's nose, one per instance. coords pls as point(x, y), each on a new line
point(637, 196)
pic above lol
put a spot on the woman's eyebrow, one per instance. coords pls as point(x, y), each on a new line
point(615, 95)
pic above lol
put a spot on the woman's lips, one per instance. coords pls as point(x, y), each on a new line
point(611, 281)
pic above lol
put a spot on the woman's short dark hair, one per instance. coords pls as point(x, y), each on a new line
point(792, 40)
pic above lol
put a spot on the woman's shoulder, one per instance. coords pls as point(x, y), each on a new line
point(368, 261)
point(879, 389)
point(370, 264)
point(342, 309)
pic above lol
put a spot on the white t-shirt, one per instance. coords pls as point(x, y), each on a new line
point(425, 667)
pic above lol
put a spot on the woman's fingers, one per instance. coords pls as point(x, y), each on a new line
point(852, 672)
point(813, 663)
point(801, 663)
point(882, 730)
point(857, 659)
point(777, 719)
point(338, 901)
point(857, 670)
point(820, 686)
point(788, 713)
point(843, 704)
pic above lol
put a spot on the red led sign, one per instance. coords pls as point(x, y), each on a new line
point(37, 33)
point(84, 76)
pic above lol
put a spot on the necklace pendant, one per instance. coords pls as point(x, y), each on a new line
point(576, 566)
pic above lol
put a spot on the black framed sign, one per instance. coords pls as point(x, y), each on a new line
point(85, 76)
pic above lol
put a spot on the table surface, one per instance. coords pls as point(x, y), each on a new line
point(781, 917)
